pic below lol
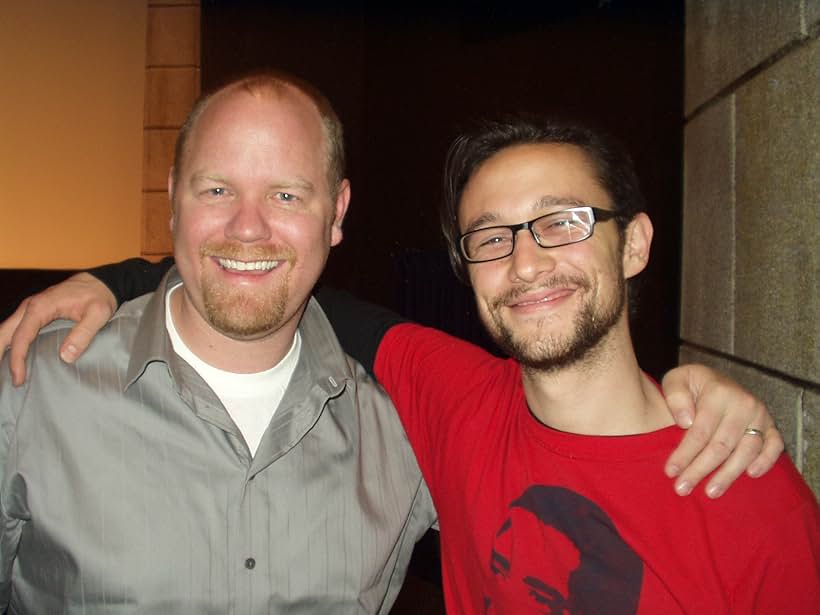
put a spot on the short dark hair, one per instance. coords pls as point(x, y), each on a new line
point(277, 81)
point(616, 172)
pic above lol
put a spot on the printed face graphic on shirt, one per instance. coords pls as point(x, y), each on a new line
point(532, 559)
point(558, 553)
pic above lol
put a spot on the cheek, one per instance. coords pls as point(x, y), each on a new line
point(487, 280)
point(196, 226)
point(609, 262)
point(308, 234)
point(588, 258)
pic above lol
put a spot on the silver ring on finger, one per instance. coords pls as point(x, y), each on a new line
point(751, 431)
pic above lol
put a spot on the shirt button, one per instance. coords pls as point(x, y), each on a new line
point(250, 563)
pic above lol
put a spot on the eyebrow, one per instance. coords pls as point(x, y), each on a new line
point(552, 201)
point(299, 182)
point(491, 218)
point(208, 177)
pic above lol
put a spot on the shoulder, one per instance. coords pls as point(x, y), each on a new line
point(323, 358)
point(410, 343)
point(772, 536)
point(110, 347)
point(133, 309)
point(435, 365)
point(319, 340)
point(441, 383)
point(767, 502)
point(129, 313)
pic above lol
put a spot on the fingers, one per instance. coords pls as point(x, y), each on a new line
point(717, 439)
point(754, 454)
point(8, 327)
point(678, 394)
point(681, 386)
point(81, 298)
point(745, 453)
point(700, 451)
point(80, 336)
point(773, 446)
point(32, 317)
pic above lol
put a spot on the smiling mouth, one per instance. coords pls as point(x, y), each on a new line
point(243, 266)
point(546, 298)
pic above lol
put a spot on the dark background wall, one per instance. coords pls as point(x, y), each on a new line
point(405, 76)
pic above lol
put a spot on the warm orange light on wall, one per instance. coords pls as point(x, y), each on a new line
point(71, 118)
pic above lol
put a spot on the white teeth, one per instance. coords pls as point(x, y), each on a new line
point(228, 263)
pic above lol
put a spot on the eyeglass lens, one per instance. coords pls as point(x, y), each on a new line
point(552, 230)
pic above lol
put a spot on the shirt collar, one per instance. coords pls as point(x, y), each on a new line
point(151, 342)
point(322, 361)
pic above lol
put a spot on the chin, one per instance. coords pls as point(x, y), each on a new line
point(244, 317)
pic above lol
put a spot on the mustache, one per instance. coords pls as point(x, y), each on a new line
point(236, 251)
point(556, 281)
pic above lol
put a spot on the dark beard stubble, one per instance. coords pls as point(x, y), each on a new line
point(591, 325)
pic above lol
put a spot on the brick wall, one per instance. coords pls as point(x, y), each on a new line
point(751, 228)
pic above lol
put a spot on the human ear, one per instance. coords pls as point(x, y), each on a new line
point(340, 210)
point(637, 242)
point(171, 199)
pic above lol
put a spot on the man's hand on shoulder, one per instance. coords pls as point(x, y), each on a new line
point(81, 298)
point(729, 430)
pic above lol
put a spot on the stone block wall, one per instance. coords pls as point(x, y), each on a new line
point(751, 223)
point(172, 85)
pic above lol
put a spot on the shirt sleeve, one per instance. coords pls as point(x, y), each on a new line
point(133, 277)
point(11, 524)
point(359, 325)
point(436, 382)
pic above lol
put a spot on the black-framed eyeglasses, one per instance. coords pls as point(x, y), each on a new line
point(559, 228)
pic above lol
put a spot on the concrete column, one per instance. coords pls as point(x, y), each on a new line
point(751, 244)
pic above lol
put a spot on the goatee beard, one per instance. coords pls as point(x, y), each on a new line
point(246, 314)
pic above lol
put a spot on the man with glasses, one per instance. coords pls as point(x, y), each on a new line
point(479, 424)
point(539, 463)
point(543, 467)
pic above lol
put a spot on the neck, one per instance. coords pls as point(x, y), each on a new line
point(605, 394)
point(226, 353)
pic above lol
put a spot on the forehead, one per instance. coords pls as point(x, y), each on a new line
point(518, 180)
point(236, 123)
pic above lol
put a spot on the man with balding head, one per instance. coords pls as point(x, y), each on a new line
point(216, 451)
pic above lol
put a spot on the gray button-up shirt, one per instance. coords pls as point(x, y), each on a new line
point(127, 488)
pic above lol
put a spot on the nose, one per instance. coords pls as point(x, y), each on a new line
point(248, 222)
point(529, 260)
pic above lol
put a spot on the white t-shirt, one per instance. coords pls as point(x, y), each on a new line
point(250, 399)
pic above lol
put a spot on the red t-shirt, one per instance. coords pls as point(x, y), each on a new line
point(539, 521)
